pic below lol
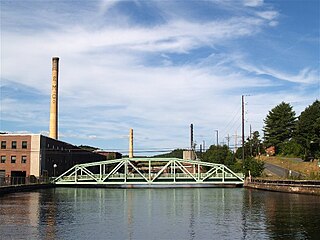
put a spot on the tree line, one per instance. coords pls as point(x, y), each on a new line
point(288, 134)
point(291, 135)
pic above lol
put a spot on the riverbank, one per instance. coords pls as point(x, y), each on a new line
point(288, 186)
point(284, 167)
point(24, 188)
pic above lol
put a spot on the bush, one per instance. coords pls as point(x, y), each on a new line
point(256, 167)
point(291, 149)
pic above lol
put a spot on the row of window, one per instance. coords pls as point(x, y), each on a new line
point(13, 159)
point(24, 144)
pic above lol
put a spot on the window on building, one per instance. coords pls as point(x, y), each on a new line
point(23, 159)
point(13, 159)
point(3, 159)
point(3, 144)
point(14, 144)
point(24, 144)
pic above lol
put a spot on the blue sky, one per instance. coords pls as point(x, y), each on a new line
point(156, 67)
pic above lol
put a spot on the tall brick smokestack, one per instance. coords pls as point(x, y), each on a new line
point(53, 131)
point(131, 143)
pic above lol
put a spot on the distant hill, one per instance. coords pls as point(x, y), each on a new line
point(177, 153)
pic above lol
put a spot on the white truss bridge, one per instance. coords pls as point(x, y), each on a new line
point(150, 172)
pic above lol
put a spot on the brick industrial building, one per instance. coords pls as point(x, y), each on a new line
point(24, 155)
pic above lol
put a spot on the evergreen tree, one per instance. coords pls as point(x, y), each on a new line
point(308, 130)
point(279, 125)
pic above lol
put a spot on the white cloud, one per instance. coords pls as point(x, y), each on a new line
point(304, 76)
point(268, 15)
point(110, 46)
point(253, 3)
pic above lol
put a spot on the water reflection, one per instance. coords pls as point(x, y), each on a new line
point(219, 213)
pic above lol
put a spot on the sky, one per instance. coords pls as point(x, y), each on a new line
point(156, 67)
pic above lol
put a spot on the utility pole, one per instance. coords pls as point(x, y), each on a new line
point(217, 131)
point(228, 140)
point(235, 142)
point(242, 127)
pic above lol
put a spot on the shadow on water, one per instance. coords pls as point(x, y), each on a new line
point(211, 213)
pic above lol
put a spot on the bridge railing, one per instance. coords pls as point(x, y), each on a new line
point(287, 182)
point(138, 176)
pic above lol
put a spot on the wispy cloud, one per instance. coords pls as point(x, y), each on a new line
point(269, 15)
point(304, 76)
point(253, 3)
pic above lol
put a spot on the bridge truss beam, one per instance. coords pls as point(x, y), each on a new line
point(149, 171)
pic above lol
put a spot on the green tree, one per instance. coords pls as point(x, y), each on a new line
point(219, 154)
point(291, 149)
point(308, 130)
point(252, 146)
point(279, 125)
point(254, 143)
point(255, 167)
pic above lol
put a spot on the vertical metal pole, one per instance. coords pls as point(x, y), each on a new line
point(228, 139)
point(125, 170)
point(199, 172)
point(235, 142)
point(174, 170)
point(191, 136)
point(223, 174)
point(149, 171)
point(100, 177)
point(217, 131)
point(217, 137)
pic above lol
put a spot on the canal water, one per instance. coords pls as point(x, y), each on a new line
point(189, 213)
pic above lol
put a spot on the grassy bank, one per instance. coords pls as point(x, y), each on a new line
point(310, 170)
